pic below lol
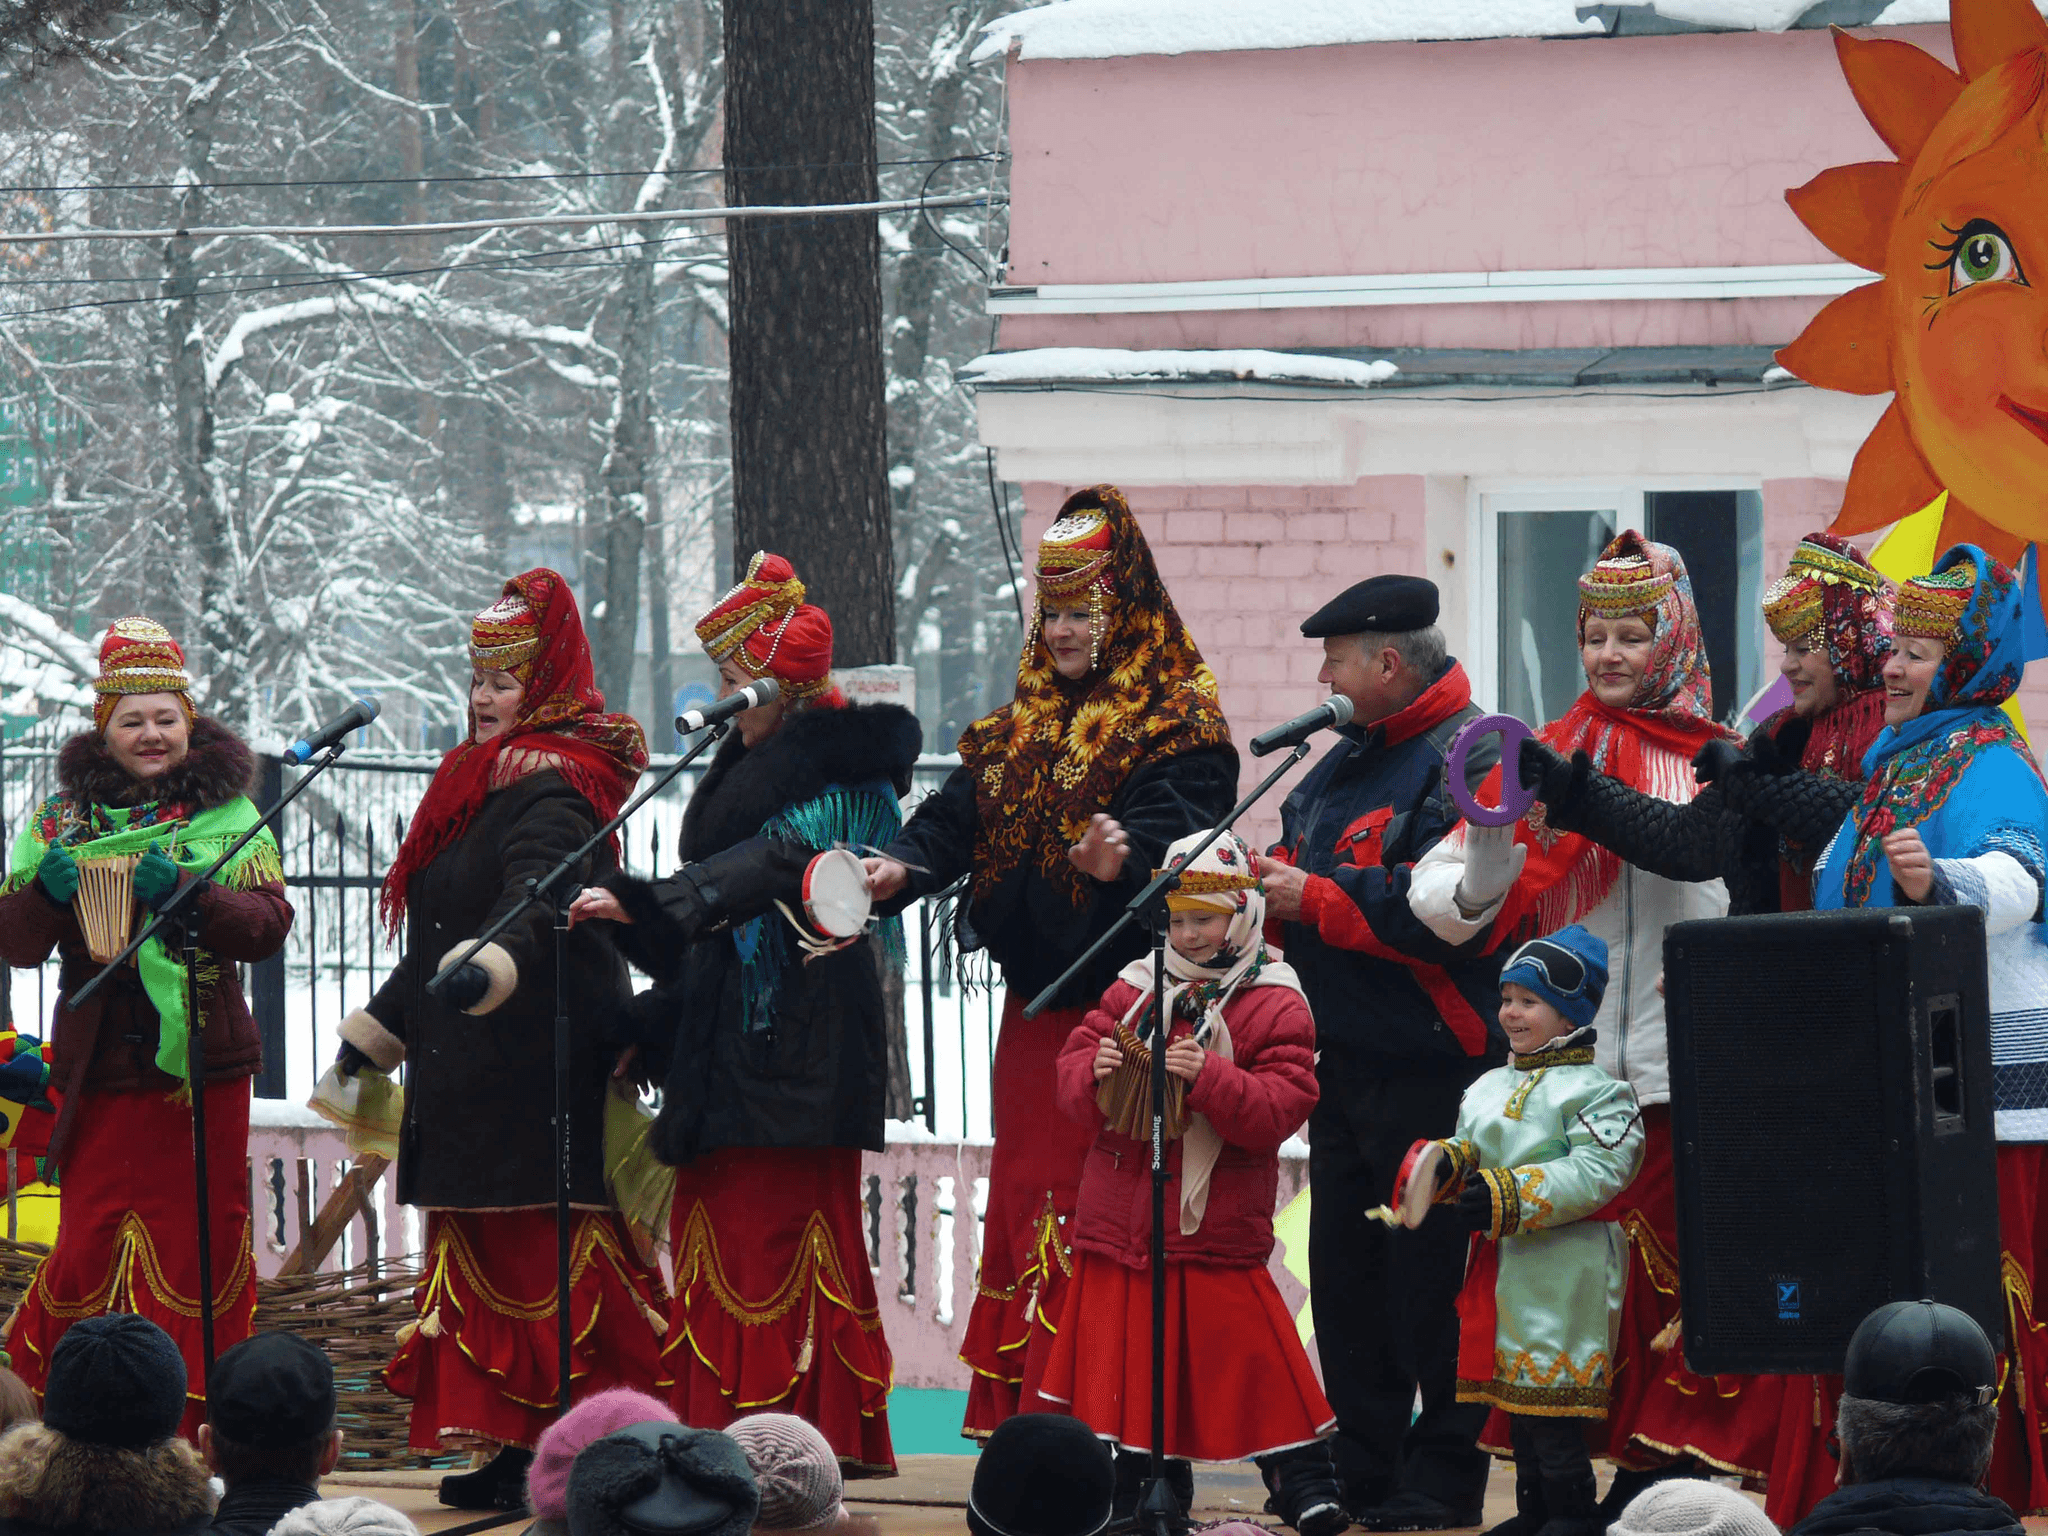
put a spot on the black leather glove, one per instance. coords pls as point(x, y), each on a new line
point(348, 1061)
point(466, 988)
point(1545, 770)
point(1714, 760)
point(1475, 1204)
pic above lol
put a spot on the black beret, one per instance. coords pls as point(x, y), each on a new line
point(1919, 1352)
point(116, 1379)
point(660, 1479)
point(270, 1392)
point(1041, 1474)
point(1383, 604)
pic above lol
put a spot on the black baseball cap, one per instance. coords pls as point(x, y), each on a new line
point(1919, 1352)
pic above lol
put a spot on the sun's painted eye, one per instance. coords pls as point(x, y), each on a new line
point(1980, 253)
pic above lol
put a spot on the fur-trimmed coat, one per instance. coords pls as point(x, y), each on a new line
point(817, 1076)
point(110, 1044)
point(479, 1092)
point(52, 1485)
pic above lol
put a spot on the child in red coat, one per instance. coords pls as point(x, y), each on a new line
point(1240, 1060)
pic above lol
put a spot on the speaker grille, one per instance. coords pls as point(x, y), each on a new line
point(1788, 1146)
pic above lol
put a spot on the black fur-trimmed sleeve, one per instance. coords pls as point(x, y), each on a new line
point(730, 886)
point(937, 843)
point(1803, 808)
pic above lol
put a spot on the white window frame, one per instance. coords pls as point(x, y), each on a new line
point(1487, 498)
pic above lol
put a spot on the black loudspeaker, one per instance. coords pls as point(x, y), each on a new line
point(1831, 1128)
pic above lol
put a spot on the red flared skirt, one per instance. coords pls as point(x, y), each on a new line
point(480, 1359)
point(128, 1238)
point(1238, 1382)
point(775, 1305)
point(1034, 1175)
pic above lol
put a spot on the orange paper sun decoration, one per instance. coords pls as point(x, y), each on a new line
point(1956, 329)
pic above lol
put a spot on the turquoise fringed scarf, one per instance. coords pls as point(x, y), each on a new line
point(856, 817)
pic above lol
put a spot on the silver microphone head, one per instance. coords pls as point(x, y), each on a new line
point(1341, 708)
point(765, 690)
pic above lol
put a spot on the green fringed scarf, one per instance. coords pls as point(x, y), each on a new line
point(104, 832)
point(850, 816)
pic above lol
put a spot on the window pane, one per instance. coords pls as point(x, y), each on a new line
point(1542, 555)
point(1720, 534)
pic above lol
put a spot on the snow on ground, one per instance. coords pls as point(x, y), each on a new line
point(1037, 365)
point(1110, 29)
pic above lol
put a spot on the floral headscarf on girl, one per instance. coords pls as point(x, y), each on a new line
point(1648, 745)
point(534, 633)
point(1222, 878)
point(1970, 602)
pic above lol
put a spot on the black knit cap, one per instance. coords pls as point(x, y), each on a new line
point(1386, 605)
point(271, 1392)
point(661, 1479)
point(116, 1380)
point(1041, 1474)
point(1919, 1352)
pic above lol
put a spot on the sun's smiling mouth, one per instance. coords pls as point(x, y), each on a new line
point(2034, 421)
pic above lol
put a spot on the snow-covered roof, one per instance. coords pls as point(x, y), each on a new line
point(1116, 365)
point(1108, 29)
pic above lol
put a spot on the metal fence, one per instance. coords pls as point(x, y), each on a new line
point(338, 839)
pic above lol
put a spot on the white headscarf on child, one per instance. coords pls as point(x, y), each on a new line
point(1223, 878)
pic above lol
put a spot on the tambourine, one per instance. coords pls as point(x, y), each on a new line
point(1514, 799)
point(836, 900)
point(1415, 1183)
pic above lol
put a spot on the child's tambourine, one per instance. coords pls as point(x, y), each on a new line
point(1514, 799)
point(1415, 1183)
point(836, 899)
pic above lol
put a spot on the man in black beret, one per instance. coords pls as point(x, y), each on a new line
point(269, 1434)
point(1915, 1427)
point(1404, 1022)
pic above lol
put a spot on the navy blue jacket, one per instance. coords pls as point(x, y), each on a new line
point(1391, 999)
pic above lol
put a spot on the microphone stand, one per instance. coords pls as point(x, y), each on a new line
point(544, 888)
point(181, 909)
point(1159, 1511)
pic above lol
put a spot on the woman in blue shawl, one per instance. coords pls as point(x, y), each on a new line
point(1954, 813)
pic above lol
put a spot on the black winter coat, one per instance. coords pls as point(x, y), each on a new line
point(1391, 999)
point(1909, 1506)
point(1027, 924)
point(817, 1075)
point(479, 1089)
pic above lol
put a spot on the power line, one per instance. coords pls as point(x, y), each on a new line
point(414, 181)
point(526, 221)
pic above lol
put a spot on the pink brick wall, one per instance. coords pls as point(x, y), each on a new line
point(1246, 564)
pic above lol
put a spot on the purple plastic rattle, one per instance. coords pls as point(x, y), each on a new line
point(1514, 799)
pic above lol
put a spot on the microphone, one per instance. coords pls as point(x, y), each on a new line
point(354, 718)
point(1335, 710)
point(764, 691)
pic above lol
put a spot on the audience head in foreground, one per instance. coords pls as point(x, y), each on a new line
point(106, 1456)
point(662, 1479)
point(798, 1475)
point(1041, 1474)
point(1915, 1427)
point(601, 1414)
point(1692, 1506)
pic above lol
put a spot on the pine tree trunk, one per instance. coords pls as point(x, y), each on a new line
point(808, 416)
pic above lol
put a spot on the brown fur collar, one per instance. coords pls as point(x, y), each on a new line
point(51, 1480)
point(218, 767)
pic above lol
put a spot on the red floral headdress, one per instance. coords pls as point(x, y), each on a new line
point(765, 626)
point(138, 656)
point(561, 725)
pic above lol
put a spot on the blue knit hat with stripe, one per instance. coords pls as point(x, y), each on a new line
point(1567, 969)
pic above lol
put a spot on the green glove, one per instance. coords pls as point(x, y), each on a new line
point(58, 875)
point(156, 876)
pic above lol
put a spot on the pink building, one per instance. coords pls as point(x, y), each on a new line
point(1456, 287)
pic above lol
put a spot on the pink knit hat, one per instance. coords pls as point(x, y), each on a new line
point(798, 1475)
point(547, 1480)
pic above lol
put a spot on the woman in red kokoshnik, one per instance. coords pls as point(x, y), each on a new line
point(1065, 799)
point(543, 767)
point(157, 781)
point(771, 1038)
